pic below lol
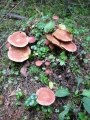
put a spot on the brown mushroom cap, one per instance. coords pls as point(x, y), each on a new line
point(69, 46)
point(55, 17)
point(18, 39)
point(31, 39)
point(19, 54)
point(46, 42)
point(53, 40)
point(47, 71)
point(47, 63)
point(7, 45)
point(38, 62)
point(45, 96)
point(63, 35)
point(51, 46)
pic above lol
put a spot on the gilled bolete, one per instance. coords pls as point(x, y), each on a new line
point(63, 35)
point(45, 96)
point(18, 39)
point(53, 40)
point(69, 46)
point(19, 54)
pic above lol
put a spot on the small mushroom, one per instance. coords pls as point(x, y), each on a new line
point(19, 54)
point(51, 46)
point(31, 39)
point(45, 96)
point(38, 63)
point(47, 71)
point(18, 39)
point(55, 17)
point(46, 42)
point(63, 35)
point(47, 63)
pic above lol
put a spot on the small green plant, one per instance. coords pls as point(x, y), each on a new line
point(18, 103)
point(19, 95)
point(47, 110)
point(43, 78)
point(62, 58)
point(34, 69)
point(30, 101)
point(74, 65)
point(1, 79)
point(40, 49)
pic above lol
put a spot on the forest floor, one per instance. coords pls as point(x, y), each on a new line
point(73, 75)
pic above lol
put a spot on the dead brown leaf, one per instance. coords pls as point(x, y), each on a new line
point(23, 70)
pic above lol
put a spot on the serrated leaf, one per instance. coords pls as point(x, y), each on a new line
point(63, 113)
point(86, 104)
point(49, 26)
point(62, 92)
point(86, 93)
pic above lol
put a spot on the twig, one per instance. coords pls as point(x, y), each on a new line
point(15, 16)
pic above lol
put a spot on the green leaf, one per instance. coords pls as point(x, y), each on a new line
point(79, 80)
point(62, 92)
point(63, 56)
point(63, 113)
point(86, 104)
point(50, 84)
point(86, 93)
point(49, 26)
point(82, 116)
point(62, 62)
point(85, 60)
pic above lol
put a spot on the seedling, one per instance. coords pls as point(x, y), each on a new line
point(30, 101)
point(62, 58)
point(19, 95)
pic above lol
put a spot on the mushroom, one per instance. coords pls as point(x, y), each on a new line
point(63, 35)
point(47, 71)
point(51, 46)
point(69, 46)
point(55, 17)
point(53, 40)
point(18, 39)
point(46, 42)
point(45, 96)
point(31, 39)
point(19, 54)
point(38, 63)
point(7, 45)
point(47, 63)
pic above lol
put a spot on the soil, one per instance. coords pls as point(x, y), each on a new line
point(61, 75)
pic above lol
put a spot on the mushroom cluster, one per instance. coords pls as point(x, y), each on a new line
point(62, 39)
point(19, 50)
